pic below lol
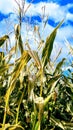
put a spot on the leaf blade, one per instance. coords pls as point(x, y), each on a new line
point(46, 53)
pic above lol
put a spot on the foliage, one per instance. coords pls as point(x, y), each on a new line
point(35, 94)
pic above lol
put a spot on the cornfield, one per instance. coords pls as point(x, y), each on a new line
point(35, 93)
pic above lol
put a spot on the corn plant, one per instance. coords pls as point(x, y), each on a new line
point(34, 92)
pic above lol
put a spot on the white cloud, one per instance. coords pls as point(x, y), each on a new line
point(7, 25)
point(69, 16)
point(7, 6)
point(55, 11)
point(65, 32)
point(52, 9)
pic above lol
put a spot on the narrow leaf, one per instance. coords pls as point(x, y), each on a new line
point(46, 53)
point(3, 39)
point(18, 37)
point(69, 47)
point(59, 66)
point(18, 68)
point(57, 122)
point(34, 55)
point(37, 126)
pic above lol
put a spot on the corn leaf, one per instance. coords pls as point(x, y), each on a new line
point(5, 127)
point(59, 66)
point(53, 79)
point(18, 37)
point(19, 102)
point(20, 44)
point(69, 47)
point(57, 122)
point(15, 127)
point(10, 54)
point(46, 53)
point(46, 100)
point(37, 126)
point(3, 39)
point(34, 55)
point(19, 67)
point(58, 54)
point(3, 68)
point(17, 31)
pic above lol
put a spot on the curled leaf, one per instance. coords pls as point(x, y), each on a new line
point(3, 39)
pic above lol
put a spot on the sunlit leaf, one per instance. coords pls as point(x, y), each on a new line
point(20, 65)
point(15, 127)
point(18, 68)
point(46, 100)
point(18, 37)
point(69, 47)
point(37, 125)
point(49, 45)
point(59, 66)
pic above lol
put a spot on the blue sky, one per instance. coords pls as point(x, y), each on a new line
point(55, 10)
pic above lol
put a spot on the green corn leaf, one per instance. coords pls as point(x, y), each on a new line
point(9, 112)
point(68, 83)
point(49, 45)
point(46, 100)
point(37, 126)
point(20, 65)
point(2, 60)
point(19, 102)
point(59, 66)
point(3, 39)
point(53, 86)
point(3, 68)
point(1, 55)
point(17, 31)
point(18, 37)
point(52, 83)
point(57, 122)
point(53, 79)
point(20, 44)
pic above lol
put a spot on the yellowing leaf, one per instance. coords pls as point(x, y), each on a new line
point(17, 70)
point(3, 39)
point(18, 37)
